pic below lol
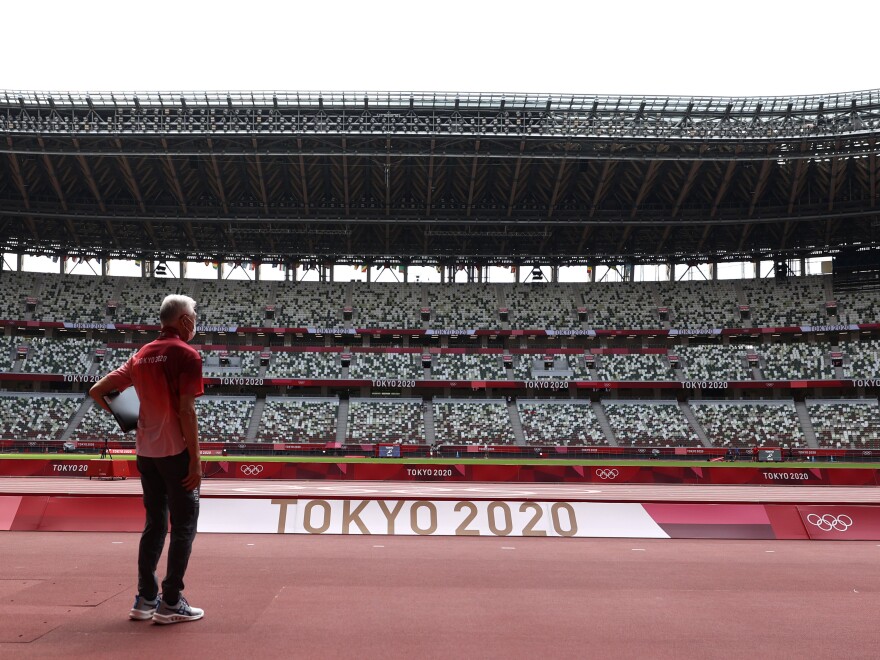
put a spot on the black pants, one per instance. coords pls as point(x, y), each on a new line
point(161, 479)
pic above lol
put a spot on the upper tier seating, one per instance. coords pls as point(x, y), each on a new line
point(619, 305)
point(15, 288)
point(552, 306)
point(746, 424)
point(139, 298)
point(373, 421)
point(782, 303)
point(658, 424)
point(381, 305)
point(560, 423)
point(469, 421)
point(858, 306)
point(232, 302)
point(309, 305)
point(299, 420)
point(700, 304)
point(75, 299)
point(465, 306)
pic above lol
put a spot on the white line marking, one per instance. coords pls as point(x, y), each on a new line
point(378, 546)
point(116, 542)
point(507, 547)
point(769, 550)
point(250, 543)
point(638, 550)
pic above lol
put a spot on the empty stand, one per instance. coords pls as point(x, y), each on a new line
point(701, 304)
point(850, 424)
point(560, 423)
point(794, 361)
point(230, 363)
point(232, 302)
point(224, 418)
point(790, 302)
point(472, 422)
point(462, 305)
point(380, 421)
point(386, 305)
point(386, 365)
point(641, 366)
point(650, 423)
point(714, 362)
point(37, 416)
point(301, 420)
point(59, 356)
point(749, 424)
point(309, 305)
point(75, 298)
point(528, 366)
point(468, 366)
point(304, 365)
point(542, 306)
point(619, 305)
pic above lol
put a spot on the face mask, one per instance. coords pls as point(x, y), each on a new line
point(190, 327)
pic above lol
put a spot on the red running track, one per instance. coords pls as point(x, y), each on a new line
point(67, 595)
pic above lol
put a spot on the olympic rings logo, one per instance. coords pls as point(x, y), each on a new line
point(604, 473)
point(829, 522)
point(251, 470)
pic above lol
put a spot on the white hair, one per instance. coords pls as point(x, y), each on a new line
point(175, 305)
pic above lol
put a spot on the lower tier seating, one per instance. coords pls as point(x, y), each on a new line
point(472, 422)
point(846, 424)
point(658, 424)
point(560, 423)
point(399, 421)
point(307, 420)
point(746, 424)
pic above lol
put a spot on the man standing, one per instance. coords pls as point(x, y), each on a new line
point(167, 376)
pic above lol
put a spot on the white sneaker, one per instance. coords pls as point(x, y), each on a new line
point(143, 609)
point(180, 612)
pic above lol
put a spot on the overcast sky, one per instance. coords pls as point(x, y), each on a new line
point(684, 47)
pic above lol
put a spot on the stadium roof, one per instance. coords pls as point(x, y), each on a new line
point(420, 177)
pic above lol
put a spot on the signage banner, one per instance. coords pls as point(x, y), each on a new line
point(427, 518)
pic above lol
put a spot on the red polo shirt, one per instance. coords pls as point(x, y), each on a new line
point(161, 372)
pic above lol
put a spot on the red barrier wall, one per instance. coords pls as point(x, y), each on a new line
point(113, 513)
point(771, 475)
